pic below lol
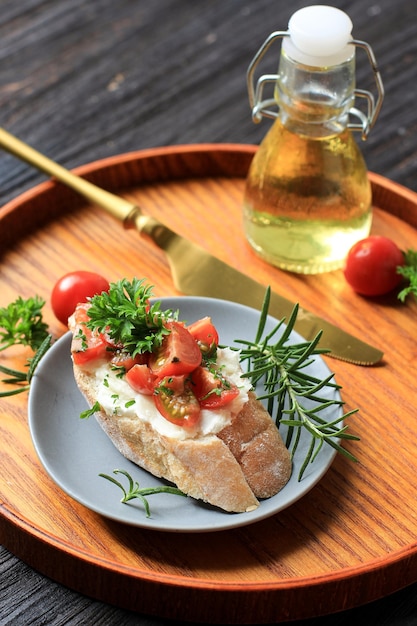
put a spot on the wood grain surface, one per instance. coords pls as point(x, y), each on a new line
point(357, 527)
point(86, 80)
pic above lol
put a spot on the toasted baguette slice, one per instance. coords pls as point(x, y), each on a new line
point(256, 444)
point(231, 470)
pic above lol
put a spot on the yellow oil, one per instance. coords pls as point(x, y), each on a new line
point(307, 200)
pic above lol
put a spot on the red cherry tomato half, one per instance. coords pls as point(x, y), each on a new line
point(212, 391)
point(126, 361)
point(205, 334)
point(371, 266)
point(87, 346)
point(176, 401)
point(141, 379)
point(178, 354)
point(74, 288)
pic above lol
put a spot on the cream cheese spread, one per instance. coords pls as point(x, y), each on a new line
point(116, 397)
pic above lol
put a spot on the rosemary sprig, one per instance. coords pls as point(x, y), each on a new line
point(294, 397)
point(135, 491)
point(23, 379)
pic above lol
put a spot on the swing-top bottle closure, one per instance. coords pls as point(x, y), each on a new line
point(318, 37)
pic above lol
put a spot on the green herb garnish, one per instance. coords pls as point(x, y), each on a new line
point(135, 491)
point(409, 272)
point(281, 368)
point(21, 323)
point(84, 415)
point(125, 312)
point(23, 379)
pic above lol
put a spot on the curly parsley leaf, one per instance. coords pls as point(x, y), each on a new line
point(21, 323)
point(409, 272)
point(126, 314)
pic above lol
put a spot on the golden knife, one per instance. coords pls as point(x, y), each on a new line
point(194, 270)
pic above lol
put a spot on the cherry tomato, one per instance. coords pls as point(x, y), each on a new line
point(87, 346)
point(371, 266)
point(212, 391)
point(205, 334)
point(141, 379)
point(176, 401)
point(74, 288)
point(178, 354)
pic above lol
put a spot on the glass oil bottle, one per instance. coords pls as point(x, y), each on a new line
point(307, 196)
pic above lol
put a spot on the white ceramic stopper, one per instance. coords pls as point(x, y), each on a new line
point(319, 35)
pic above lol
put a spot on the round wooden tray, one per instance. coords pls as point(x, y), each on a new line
point(351, 540)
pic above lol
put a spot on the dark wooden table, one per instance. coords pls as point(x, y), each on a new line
point(84, 80)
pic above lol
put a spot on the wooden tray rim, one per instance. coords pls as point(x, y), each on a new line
point(285, 583)
point(87, 170)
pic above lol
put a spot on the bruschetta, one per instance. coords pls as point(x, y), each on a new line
point(174, 402)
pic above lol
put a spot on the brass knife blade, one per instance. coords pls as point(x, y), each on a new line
point(196, 272)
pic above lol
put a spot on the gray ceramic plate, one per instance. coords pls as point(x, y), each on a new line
point(74, 452)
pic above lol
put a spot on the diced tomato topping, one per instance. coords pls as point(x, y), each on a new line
point(176, 401)
point(95, 351)
point(173, 374)
point(87, 346)
point(80, 315)
point(211, 389)
point(178, 354)
point(205, 334)
point(124, 360)
point(141, 379)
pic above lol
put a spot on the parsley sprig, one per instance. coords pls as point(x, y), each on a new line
point(21, 323)
point(135, 491)
point(127, 314)
point(294, 397)
point(409, 272)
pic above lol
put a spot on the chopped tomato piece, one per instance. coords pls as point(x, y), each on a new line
point(141, 379)
point(95, 351)
point(80, 315)
point(211, 389)
point(205, 334)
point(87, 346)
point(176, 401)
point(124, 360)
point(178, 354)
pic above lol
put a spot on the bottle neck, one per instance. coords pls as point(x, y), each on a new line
point(315, 101)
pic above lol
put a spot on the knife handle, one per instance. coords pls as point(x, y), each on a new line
point(116, 206)
point(129, 214)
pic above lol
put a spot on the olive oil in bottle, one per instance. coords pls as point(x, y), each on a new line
point(307, 196)
point(305, 210)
